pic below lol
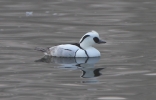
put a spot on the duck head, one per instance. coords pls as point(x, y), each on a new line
point(89, 39)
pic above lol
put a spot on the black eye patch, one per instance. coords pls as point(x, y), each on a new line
point(84, 38)
point(96, 39)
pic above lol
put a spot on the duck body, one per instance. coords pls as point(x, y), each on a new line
point(82, 49)
point(64, 50)
point(71, 50)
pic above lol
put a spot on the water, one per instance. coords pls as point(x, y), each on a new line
point(125, 71)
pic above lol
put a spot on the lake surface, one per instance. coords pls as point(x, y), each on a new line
point(126, 69)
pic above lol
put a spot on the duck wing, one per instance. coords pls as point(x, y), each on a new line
point(66, 50)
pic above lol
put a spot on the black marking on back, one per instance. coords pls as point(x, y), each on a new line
point(76, 51)
point(84, 38)
point(77, 44)
point(68, 49)
point(86, 53)
point(96, 39)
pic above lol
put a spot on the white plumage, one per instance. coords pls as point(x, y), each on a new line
point(82, 49)
point(66, 50)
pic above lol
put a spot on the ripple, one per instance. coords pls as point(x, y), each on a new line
point(111, 98)
point(151, 74)
point(72, 84)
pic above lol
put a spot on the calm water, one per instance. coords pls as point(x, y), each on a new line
point(125, 71)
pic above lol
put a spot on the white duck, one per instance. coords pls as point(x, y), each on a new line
point(82, 49)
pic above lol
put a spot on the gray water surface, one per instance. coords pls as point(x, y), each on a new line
point(126, 69)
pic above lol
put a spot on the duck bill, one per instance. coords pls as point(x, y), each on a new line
point(101, 41)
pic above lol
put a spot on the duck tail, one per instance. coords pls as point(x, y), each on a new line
point(45, 51)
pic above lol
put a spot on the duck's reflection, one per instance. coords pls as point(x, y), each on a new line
point(84, 64)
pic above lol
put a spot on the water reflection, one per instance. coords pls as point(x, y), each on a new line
point(86, 65)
